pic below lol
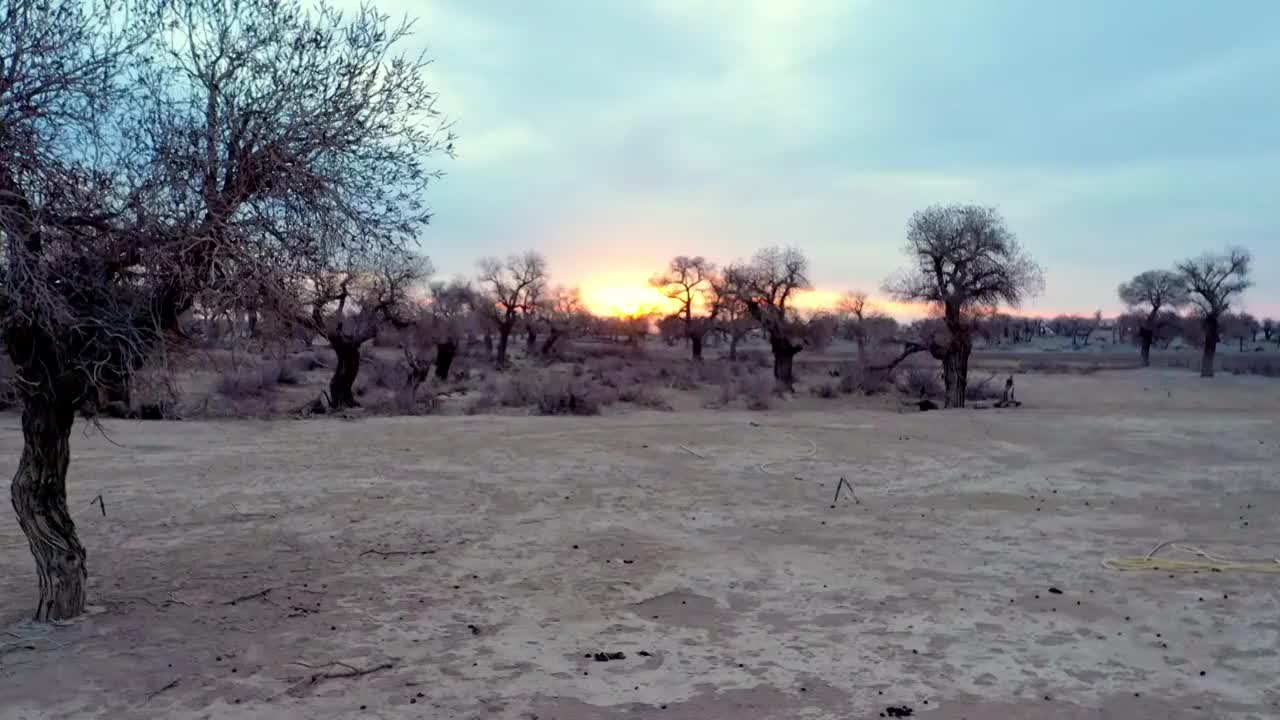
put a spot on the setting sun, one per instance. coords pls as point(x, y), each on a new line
point(623, 295)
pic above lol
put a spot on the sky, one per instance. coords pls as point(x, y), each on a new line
point(611, 135)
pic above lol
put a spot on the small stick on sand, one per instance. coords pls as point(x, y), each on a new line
point(152, 695)
point(691, 452)
point(391, 553)
point(260, 594)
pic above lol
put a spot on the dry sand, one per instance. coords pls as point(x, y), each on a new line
point(479, 562)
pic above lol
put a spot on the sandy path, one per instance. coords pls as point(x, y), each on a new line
point(481, 559)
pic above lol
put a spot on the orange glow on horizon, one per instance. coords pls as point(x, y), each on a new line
point(629, 295)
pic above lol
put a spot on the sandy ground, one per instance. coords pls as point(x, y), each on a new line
point(477, 564)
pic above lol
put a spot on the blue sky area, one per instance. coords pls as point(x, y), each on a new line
point(1114, 136)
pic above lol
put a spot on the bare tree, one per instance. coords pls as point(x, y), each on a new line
point(1241, 327)
point(511, 288)
point(138, 173)
point(965, 260)
point(1269, 329)
point(563, 314)
point(349, 307)
point(1213, 282)
point(733, 319)
point(688, 281)
point(853, 307)
point(767, 286)
point(452, 314)
point(1149, 293)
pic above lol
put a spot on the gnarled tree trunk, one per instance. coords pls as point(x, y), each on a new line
point(1210, 346)
point(445, 352)
point(550, 343)
point(695, 342)
point(39, 494)
point(341, 385)
point(784, 353)
point(955, 373)
point(531, 341)
point(504, 334)
point(733, 347)
point(1147, 335)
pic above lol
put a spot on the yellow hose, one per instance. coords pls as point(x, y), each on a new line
point(1207, 563)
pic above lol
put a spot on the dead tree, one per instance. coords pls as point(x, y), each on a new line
point(965, 261)
point(1213, 282)
point(349, 307)
point(1148, 294)
point(688, 281)
point(767, 286)
point(138, 173)
point(562, 315)
point(733, 319)
point(511, 289)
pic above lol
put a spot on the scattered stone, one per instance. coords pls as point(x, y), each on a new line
point(898, 711)
point(607, 656)
point(1055, 591)
point(474, 630)
point(643, 653)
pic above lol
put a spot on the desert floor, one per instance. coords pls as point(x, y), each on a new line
point(476, 564)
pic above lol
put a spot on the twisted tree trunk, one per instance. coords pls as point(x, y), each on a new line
point(39, 494)
point(955, 370)
point(341, 385)
point(1210, 346)
point(445, 352)
point(695, 342)
point(784, 353)
point(504, 334)
point(1147, 336)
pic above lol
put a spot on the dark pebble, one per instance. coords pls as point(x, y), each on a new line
point(1055, 591)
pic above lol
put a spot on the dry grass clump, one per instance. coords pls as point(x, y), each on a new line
point(919, 381)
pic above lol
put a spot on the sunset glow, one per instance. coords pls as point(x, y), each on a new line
point(624, 295)
point(629, 294)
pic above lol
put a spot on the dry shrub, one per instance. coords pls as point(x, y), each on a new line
point(826, 391)
point(643, 396)
point(306, 361)
point(712, 373)
point(854, 378)
point(988, 388)
point(382, 373)
point(757, 358)
point(486, 401)
point(608, 351)
point(248, 382)
point(566, 396)
point(405, 401)
point(920, 381)
point(519, 391)
point(758, 391)
point(1266, 366)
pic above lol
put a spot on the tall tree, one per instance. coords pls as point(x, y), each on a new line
point(767, 286)
point(512, 290)
point(1149, 293)
point(687, 281)
point(350, 306)
point(964, 261)
point(139, 172)
point(1213, 282)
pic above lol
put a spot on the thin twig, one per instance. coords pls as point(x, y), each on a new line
point(691, 452)
point(260, 594)
point(391, 553)
point(151, 695)
point(350, 671)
